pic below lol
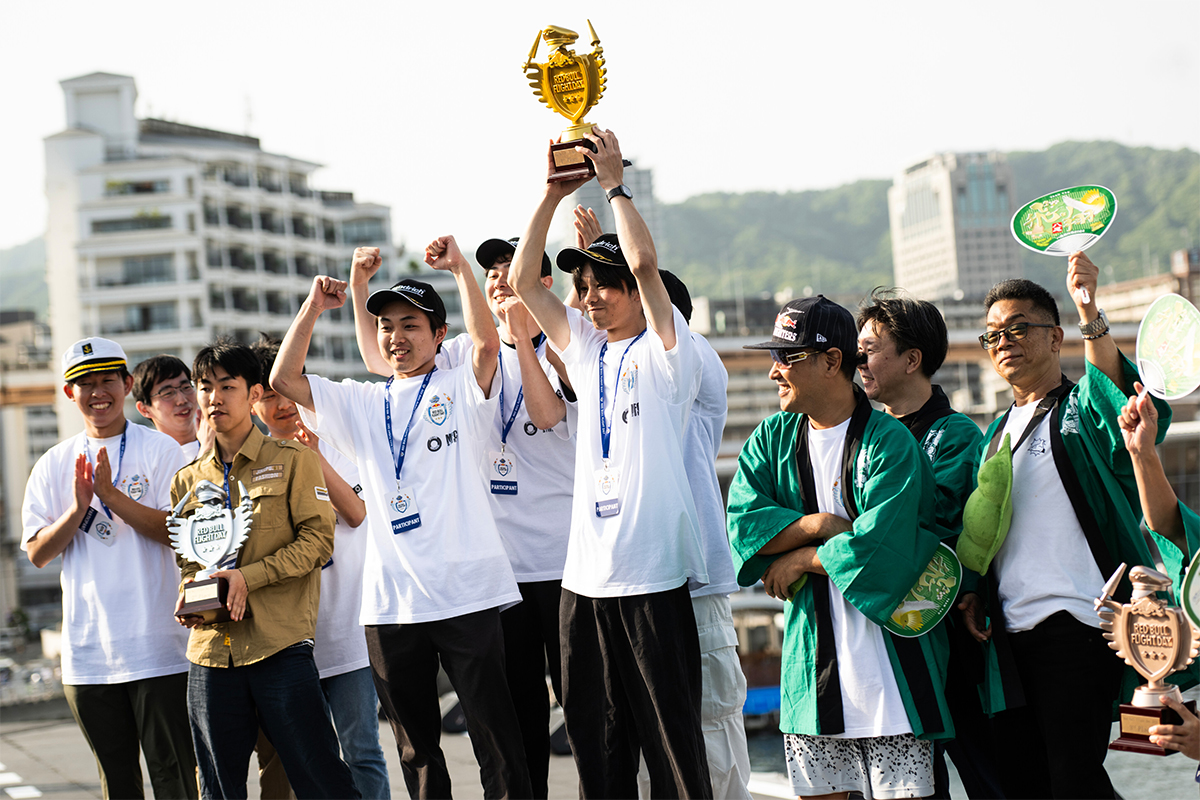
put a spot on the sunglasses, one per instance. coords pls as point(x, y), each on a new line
point(786, 358)
point(1014, 332)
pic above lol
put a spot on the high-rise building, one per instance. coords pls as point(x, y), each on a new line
point(162, 235)
point(949, 219)
point(641, 183)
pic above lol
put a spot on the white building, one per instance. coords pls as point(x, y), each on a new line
point(949, 219)
point(162, 236)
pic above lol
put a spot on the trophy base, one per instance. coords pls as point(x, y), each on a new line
point(206, 599)
point(1136, 722)
point(568, 164)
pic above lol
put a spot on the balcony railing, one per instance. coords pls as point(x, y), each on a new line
point(131, 224)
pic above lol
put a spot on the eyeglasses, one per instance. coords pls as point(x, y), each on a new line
point(786, 358)
point(1014, 332)
point(167, 395)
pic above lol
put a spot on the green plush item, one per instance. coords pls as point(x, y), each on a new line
point(988, 512)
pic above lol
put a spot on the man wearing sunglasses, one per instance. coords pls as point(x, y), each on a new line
point(832, 507)
point(1074, 519)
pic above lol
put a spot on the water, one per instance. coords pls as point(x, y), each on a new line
point(1136, 777)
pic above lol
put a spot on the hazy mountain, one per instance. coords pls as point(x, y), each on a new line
point(23, 278)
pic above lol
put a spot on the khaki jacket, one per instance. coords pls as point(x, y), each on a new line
point(290, 539)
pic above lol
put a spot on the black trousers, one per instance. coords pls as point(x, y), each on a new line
point(530, 645)
point(1055, 745)
point(404, 663)
point(631, 682)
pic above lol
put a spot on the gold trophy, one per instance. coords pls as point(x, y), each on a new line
point(569, 84)
point(1154, 638)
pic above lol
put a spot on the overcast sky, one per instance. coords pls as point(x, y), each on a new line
point(423, 106)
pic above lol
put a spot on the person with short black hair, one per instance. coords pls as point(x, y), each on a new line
point(1074, 518)
point(436, 572)
point(257, 668)
point(100, 499)
point(162, 387)
point(902, 343)
point(635, 545)
point(832, 507)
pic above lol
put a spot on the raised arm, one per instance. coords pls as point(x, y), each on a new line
point(636, 242)
point(443, 254)
point(1102, 353)
point(287, 376)
point(546, 409)
point(525, 273)
point(349, 506)
point(363, 266)
point(1160, 506)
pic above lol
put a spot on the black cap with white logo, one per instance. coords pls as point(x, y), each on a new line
point(812, 322)
point(418, 293)
point(487, 253)
point(605, 250)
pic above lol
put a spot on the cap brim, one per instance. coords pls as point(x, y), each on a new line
point(487, 253)
point(382, 297)
point(571, 258)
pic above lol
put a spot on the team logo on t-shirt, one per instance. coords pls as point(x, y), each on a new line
point(135, 487)
point(400, 503)
point(439, 408)
point(530, 429)
point(629, 377)
point(1037, 446)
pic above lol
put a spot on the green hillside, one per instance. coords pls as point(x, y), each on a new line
point(837, 240)
point(23, 278)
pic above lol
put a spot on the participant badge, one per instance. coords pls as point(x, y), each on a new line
point(403, 511)
point(502, 470)
point(608, 489)
point(97, 527)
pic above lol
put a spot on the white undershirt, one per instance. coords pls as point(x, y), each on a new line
point(871, 703)
point(1045, 565)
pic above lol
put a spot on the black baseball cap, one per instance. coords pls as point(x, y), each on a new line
point(487, 253)
point(678, 292)
point(812, 322)
point(417, 293)
point(605, 250)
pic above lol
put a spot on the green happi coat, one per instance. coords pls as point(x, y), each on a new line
point(1086, 428)
point(874, 566)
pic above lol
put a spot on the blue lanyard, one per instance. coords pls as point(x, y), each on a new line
point(605, 424)
point(507, 426)
point(387, 417)
point(228, 500)
point(120, 460)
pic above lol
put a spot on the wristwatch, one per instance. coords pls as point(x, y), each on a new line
point(619, 191)
point(1096, 328)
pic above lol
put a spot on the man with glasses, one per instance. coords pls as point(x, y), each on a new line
point(832, 507)
point(1074, 519)
point(162, 387)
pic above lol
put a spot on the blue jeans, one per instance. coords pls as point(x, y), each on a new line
point(226, 705)
point(353, 704)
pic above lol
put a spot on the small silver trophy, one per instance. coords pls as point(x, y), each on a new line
point(209, 537)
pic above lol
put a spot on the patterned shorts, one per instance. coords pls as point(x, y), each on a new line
point(882, 767)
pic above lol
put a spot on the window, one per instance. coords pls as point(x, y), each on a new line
point(362, 231)
point(115, 188)
point(139, 223)
point(149, 269)
point(152, 317)
point(216, 298)
point(274, 263)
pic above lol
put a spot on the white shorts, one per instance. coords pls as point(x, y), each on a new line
point(882, 767)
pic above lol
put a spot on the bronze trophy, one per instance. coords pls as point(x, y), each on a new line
point(569, 84)
point(1154, 638)
point(208, 537)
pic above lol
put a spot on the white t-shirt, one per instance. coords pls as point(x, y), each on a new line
point(701, 445)
point(535, 521)
point(191, 451)
point(653, 543)
point(1045, 565)
point(119, 591)
point(871, 703)
point(453, 563)
point(341, 644)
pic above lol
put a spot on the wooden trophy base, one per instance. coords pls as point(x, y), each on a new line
point(568, 164)
point(1136, 722)
point(206, 599)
